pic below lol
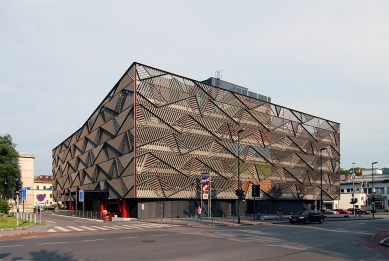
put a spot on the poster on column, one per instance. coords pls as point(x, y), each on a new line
point(205, 185)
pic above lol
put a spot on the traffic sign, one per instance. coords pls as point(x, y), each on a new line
point(81, 195)
point(351, 171)
point(24, 194)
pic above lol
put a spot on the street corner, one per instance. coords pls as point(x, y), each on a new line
point(382, 238)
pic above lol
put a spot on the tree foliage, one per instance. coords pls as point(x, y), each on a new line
point(347, 171)
point(9, 164)
point(4, 206)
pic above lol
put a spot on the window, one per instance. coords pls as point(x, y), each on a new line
point(387, 190)
point(367, 190)
point(44, 187)
point(341, 190)
point(379, 191)
point(348, 190)
point(37, 186)
point(51, 195)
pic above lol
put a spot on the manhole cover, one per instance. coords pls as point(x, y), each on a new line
point(147, 241)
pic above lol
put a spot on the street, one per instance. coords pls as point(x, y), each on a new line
point(342, 240)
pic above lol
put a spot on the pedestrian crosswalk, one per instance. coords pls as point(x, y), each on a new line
point(108, 227)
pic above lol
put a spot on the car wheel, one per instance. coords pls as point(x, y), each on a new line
point(321, 220)
point(306, 221)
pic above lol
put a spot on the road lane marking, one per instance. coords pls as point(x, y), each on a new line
point(92, 240)
point(75, 228)
point(116, 227)
point(101, 228)
point(366, 247)
point(158, 235)
point(12, 246)
point(88, 228)
point(52, 243)
point(63, 229)
point(127, 237)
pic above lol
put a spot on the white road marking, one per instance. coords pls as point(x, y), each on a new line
point(101, 228)
point(53, 243)
point(12, 246)
point(63, 229)
point(87, 228)
point(91, 240)
point(75, 228)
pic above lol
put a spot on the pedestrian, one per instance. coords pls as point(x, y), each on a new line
point(280, 214)
point(199, 212)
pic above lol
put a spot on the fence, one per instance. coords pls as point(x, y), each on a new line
point(80, 213)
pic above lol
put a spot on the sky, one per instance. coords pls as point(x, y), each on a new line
point(59, 59)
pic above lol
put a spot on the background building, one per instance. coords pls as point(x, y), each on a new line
point(364, 184)
point(26, 163)
point(143, 150)
point(43, 189)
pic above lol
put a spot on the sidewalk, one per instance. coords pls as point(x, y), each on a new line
point(23, 230)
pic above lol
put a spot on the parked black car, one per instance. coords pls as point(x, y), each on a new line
point(307, 216)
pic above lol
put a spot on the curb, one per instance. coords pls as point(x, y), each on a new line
point(385, 242)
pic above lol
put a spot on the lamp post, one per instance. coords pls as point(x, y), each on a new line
point(239, 186)
point(321, 179)
point(372, 187)
point(353, 195)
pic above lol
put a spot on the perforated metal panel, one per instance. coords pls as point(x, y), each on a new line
point(155, 132)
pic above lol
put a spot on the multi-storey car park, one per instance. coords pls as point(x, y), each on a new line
point(143, 151)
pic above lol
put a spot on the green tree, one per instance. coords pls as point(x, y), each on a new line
point(344, 171)
point(9, 164)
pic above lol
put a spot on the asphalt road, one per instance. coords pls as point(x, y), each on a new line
point(349, 240)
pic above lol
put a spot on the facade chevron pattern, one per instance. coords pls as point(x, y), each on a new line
point(156, 132)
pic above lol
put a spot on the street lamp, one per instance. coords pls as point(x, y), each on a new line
point(353, 195)
point(321, 179)
point(239, 187)
point(372, 187)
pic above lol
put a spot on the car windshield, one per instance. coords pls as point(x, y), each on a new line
point(300, 213)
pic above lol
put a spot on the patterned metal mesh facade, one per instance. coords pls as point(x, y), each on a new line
point(156, 132)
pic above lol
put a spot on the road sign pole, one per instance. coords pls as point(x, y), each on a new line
point(17, 208)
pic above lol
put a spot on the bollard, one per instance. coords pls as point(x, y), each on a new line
point(35, 219)
point(186, 219)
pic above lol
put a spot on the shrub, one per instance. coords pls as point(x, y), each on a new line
point(4, 206)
